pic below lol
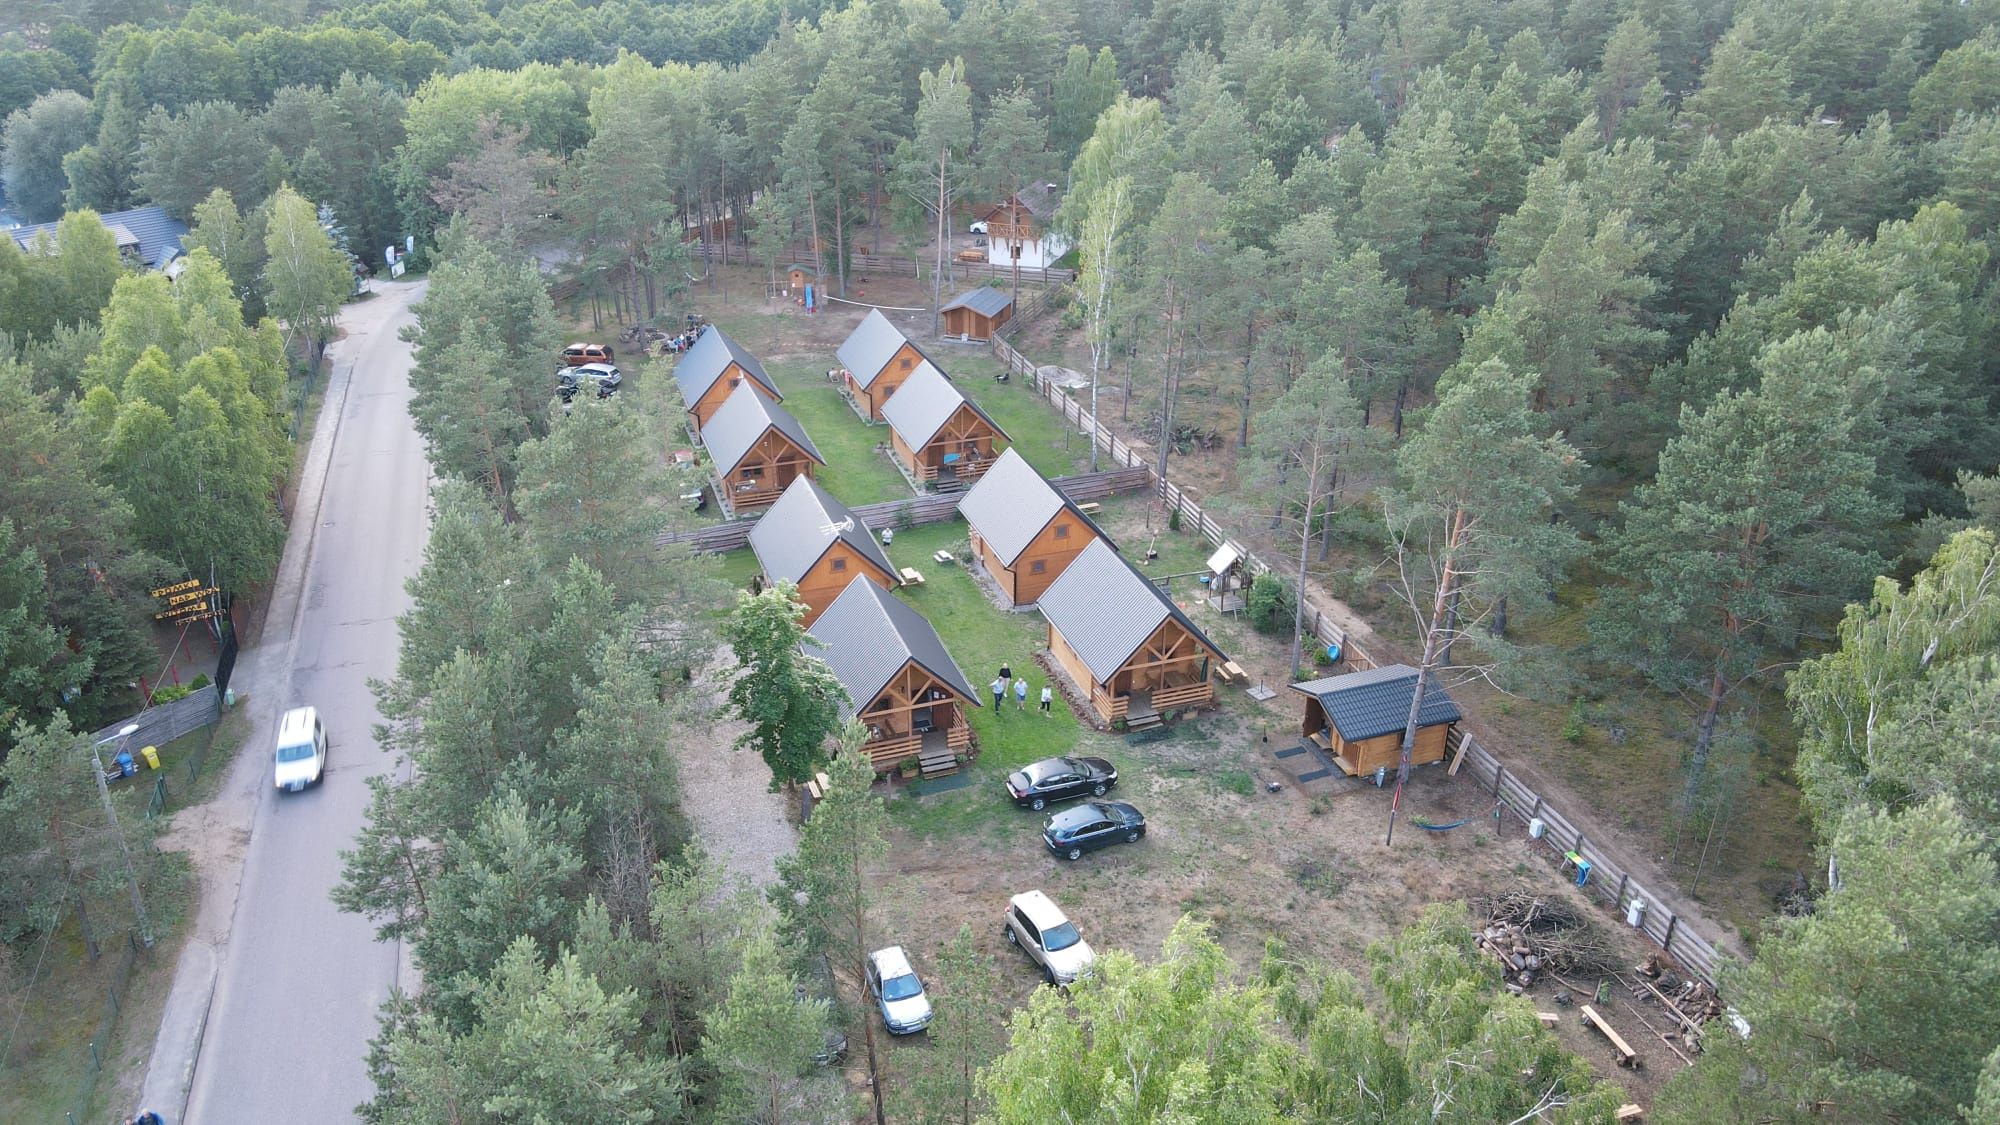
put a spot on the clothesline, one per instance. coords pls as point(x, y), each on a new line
point(866, 305)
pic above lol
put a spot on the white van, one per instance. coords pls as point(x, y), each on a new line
point(301, 754)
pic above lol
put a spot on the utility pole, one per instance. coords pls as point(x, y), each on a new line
point(104, 793)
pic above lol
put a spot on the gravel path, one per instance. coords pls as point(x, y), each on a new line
point(725, 794)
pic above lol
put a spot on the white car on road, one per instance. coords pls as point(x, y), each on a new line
point(301, 754)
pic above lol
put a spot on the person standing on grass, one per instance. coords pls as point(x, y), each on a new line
point(1006, 677)
point(1048, 696)
point(999, 693)
point(1021, 694)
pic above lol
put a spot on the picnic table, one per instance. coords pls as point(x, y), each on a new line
point(911, 577)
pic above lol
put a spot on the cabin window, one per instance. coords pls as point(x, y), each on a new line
point(735, 381)
point(1038, 566)
point(839, 565)
point(1062, 531)
point(753, 472)
point(906, 363)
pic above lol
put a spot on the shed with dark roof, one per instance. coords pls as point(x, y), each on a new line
point(1128, 647)
point(1024, 531)
point(977, 314)
point(940, 437)
point(147, 236)
point(1359, 718)
point(758, 449)
point(876, 358)
point(710, 371)
point(813, 541)
point(901, 683)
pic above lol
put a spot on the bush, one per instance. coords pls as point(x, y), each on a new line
point(1572, 730)
point(1173, 519)
point(1272, 605)
point(171, 693)
point(906, 516)
point(199, 682)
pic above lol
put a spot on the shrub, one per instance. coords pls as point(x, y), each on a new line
point(1173, 519)
point(1572, 730)
point(1271, 604)
point(171, 693)
point(906, 516)
point(199, 682)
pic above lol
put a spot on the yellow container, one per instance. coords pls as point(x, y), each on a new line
point(152, 756)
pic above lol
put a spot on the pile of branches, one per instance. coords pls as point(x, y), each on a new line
point(1532, 935)
point(1692, 1000)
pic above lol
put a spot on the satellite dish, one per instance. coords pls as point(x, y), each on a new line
point(837, 526)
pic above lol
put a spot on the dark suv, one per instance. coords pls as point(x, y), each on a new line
point(1092, 825)
point(1059, 779)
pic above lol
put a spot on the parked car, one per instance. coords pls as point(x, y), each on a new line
point(576, 355)
point(1059, 779)
point(603, 376)
point(1092, 825)
point(978, 227)
point(301, 750)
point(1038, 926)
point(898, 993)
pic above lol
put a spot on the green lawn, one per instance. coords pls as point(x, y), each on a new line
point(854, 472)
point(1036, 428)
point(738, 567)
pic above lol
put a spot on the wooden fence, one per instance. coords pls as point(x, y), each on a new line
point(912, 266)
point(1608, 881)
point(916, 510)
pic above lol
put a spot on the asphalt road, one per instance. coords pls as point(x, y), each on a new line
point(299, 983)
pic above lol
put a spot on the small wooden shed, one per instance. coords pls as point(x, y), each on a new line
point(710, 371)
point(758, 450)
point(1126, 645)
point(977, 314)
point(1358, 718)
point(939, 436)
point(1024, 531)
point(908, 692)
point(813, 541)
point(877, 358)
point(798, 275)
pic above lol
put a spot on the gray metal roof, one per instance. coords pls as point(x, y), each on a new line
point(867, 635)
point(797, 530)
point(1010, 505)
point(700, 366)
point(924, 403)
point(150, 232)
point(869, 348)
point(985, 300)
point(1105, 610)
point(741, 420)
point(1377, 702)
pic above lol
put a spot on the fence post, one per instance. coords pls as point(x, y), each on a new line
point(1623, 878)
point(1499, 775)
point(1667, 942)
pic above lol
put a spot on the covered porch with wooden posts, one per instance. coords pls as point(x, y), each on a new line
point(763, 473)
point(917, 715)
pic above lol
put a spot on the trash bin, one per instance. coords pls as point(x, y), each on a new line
point(152, 756)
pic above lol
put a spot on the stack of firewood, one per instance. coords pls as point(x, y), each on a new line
point(1533, 936)
point(1693, 1001)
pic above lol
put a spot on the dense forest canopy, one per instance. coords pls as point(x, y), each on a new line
point(1683, 310)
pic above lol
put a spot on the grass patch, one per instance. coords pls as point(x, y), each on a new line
point(1238, 782)
point(737, 568)
point(854, 472)
point(1037, 430)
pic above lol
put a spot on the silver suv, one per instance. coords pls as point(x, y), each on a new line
point(1038, 926)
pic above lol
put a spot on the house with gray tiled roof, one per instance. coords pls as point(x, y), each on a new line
point(757, 449)
point(908, 693)
point(1358, 718)
point(1133, 655)
point(710, 371)
point(977, 314)
point(940, 437)
point(1024, 531)
point(147, 236)
point(875, 359)
point(815, 542)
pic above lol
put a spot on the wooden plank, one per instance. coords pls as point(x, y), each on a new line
point(1630, 1112)
point(1458, 759)
point(1548, 1019)
point(1626, 1055)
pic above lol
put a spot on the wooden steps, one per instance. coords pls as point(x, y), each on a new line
point(937, 761)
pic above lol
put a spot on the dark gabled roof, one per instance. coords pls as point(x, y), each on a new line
point(1011, 504)
point(148, 231)
point(985, 300)
point(867, 635)
point(796, 532)
point(741, 420)
point(869, 348)
point(700, 366)
point(1041, 200)
point(924, 403)
point(1377, 702)
point(1105, 610)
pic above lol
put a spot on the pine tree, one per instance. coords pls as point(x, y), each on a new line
point(761, 1040)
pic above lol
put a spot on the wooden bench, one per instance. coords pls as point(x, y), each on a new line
point(911, 577)
point(942, 558)
point(1626, 1055)
point(1090, 508)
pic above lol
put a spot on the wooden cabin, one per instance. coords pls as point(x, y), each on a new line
point(757, 449)
point(977, 314)
point(901, 684)
point(710, 371)
point(1358, 718)
point(1024, 531)
point(813, 541)
point(876, 358)
point(940, 437)
point(1128, 648)
point(1018, 228)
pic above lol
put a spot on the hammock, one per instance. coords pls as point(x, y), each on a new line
point(1427, 825)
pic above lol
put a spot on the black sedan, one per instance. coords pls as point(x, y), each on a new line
point(1059, 779)
point(1092, 824)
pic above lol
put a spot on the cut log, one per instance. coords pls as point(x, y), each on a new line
point(1630, 1112)
point(1626, 1055)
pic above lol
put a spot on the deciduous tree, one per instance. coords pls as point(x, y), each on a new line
point(790, 699)
point(33, 142)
